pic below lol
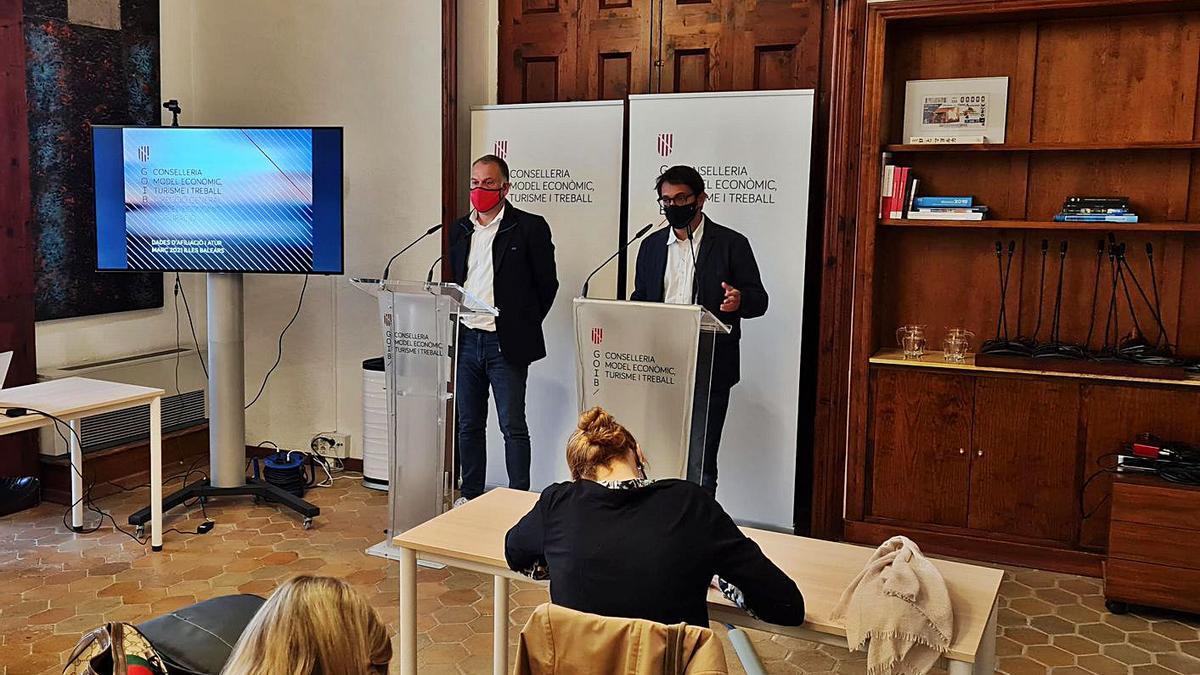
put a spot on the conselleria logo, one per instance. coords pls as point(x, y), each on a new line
point(500, 149)
point(597, 335)
point(665, 143)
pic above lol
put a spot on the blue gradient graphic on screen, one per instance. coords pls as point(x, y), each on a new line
point(247, 200)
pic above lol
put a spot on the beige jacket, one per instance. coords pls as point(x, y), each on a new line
point(561, 641)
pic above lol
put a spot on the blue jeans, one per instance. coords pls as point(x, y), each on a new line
point(481, 364)
point(702, 457)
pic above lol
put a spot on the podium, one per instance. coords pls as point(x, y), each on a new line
point(420, 330)
point(650, 365)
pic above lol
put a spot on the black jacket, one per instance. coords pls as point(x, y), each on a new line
point(646, 553)
point(724, 256)
point(524, 279)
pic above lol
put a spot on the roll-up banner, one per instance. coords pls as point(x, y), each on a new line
point(565, 165)
point(753, 150)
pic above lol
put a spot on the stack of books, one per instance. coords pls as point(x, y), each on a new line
point(946, 208)
point(899, 200)
point(1096, 210)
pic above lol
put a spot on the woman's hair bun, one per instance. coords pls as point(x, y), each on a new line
point(599, 440)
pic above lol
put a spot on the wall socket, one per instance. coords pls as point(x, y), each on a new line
point(340, 447)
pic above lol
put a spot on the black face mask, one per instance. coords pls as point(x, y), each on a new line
point(680, 216)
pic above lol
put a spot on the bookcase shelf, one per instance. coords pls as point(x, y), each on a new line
point(1040, 147)
point(1042, 225)
point(934, 360)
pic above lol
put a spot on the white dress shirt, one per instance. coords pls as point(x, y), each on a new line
point(680, 275)
point(480, 275)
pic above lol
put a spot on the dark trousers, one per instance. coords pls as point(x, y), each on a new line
point(480, 365)
point(702, 456)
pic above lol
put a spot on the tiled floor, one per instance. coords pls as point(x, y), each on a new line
point(54, 585)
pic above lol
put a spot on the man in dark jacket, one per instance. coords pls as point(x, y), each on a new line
point(722, 276)
point(505, 257)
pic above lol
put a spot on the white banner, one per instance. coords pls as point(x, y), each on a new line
point(565, 164)
point(753, 149)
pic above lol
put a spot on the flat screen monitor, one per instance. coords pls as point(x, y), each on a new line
point(209, 199)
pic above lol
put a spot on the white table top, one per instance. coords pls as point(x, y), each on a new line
point(70, 397)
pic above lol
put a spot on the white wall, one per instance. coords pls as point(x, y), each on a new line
point(374, 67)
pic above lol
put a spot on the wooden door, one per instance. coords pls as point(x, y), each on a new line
point(538, 41)
point(737, 45)
point(920, 437)
point(568, 50)
point(1025, 458)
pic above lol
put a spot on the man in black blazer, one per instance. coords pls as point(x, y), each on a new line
point(725, 281)
point(505, 257)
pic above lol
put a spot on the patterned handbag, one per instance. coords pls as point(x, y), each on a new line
point(114, 649)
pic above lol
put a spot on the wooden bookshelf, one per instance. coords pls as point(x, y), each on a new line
point(986, 224)
point(989, 462)
point(1039, 147)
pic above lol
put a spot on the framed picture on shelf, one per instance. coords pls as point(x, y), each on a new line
point(953, 111)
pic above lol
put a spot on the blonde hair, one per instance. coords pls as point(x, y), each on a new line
point(597, 441)
point(313, 624)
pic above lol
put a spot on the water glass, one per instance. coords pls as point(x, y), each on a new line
point(956, 345)
point(911, 340)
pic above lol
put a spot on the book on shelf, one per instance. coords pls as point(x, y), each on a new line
point(953, 209)
point(885, 184)
point(943, 202)
point(1096, 218)
point(1080, 202)
point(947, 140)
point(931, 214)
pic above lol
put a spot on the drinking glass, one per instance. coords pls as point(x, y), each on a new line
point(911, 340)
point(956, 345)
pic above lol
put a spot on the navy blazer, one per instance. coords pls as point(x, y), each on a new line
point(524, 279)
point(724, 256)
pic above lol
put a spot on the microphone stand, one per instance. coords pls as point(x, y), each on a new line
point(414, 242)
point(1087, 345)
point(1056, 348)
point(1161, 353)
point(429, 276)
point(1004, 346)
point(1111, 321)
point(638, 235)
point(1031, 343)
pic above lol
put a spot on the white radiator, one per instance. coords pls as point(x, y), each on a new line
point(182, 407)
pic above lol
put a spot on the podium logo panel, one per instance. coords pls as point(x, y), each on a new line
point(597, 336)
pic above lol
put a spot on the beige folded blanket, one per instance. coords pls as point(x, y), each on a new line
point(898, 608)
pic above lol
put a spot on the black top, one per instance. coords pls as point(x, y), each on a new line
point(646, 553)
point(724, 256)
point(524, 279)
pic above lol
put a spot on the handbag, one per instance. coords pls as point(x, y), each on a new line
point(114, 649)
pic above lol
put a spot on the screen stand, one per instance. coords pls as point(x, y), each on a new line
point(227, 415)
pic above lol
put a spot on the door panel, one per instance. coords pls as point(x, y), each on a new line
point(565, 50)
point(1023, 468)
point(920, 438)
point(538, 50)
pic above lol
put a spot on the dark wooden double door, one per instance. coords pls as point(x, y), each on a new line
point(574, 50)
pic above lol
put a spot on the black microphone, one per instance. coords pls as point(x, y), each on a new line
point(640, 233)
point(416, 241)
point(429, 277)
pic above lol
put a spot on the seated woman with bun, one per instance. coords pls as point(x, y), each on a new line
point(619, 544)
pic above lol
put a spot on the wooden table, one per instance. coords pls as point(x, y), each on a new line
point(472, 537)
point(74, 398)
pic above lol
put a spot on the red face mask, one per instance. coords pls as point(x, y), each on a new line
point(484, 199)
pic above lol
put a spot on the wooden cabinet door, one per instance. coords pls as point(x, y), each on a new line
point(1025, 458)
point(737, 45)
point(920, 438)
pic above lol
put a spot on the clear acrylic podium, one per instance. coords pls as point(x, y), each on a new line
point(420, 331)
point(650, 365)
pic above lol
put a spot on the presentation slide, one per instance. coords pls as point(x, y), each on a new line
point(228, 199)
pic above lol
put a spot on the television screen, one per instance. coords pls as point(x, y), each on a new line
point(202, 199)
